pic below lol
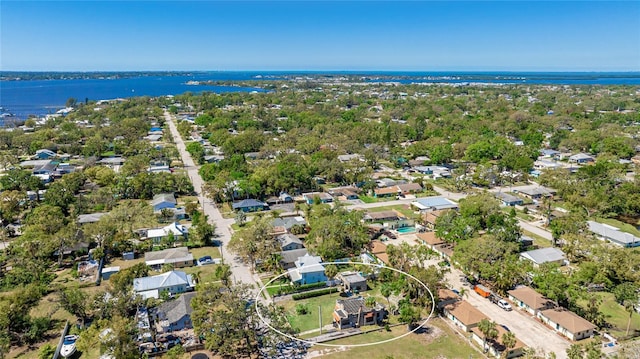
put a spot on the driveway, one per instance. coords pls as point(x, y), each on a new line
point(241, 273)
point(528, 330)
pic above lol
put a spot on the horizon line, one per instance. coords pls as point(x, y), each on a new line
point(336, 70)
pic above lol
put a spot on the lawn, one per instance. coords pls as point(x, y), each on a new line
point(310, 320)
point(537, 240)
point(624, 227)
point(615, 315)
point(402, 208)
point(443, 342)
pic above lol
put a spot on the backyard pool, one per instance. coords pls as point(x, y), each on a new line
point(404, 230)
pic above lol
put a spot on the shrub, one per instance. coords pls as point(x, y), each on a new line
point(315, 293)
point(302, 309)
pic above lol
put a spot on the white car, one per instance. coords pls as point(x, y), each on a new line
point(504, 305)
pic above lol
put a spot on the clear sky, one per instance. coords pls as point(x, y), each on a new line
point(320, 35)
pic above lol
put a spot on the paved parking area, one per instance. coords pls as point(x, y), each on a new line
point(531, 332)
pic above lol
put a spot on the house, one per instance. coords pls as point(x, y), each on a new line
point(386, 192)
point(250, 205)
point(546, 165)
point(159, 168)
point(162, 201)
point(289, 242)
point(349, 158)
point(153, 138)
point(581, 158)
point(613, 235)
point(289, 222)
point(433, 204)
point(567, 323)
point(174, 315)
point(45, 169)
point(346, 193)
point(107, 272)
point(429, 239)
point(353, 281)
point(352, 313)
point(508, 199)
point(430, 217)
point(446, 297)
point(382, 216)
point(112, 162)
point(177, 257)
point(310, 197)
point(407, 188)
point(463, 315)
point(534, 192)
point(544, 255)
point(45, 154)
point(288, 258)
point(379, 250)
point(173, 282)
point(549, 153)
point(308, 269)
point(528, 299)
point(433, 171)
point(179, 232)
point(90, 217)
point(495, 346)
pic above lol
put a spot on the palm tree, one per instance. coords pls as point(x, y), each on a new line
point(509, 341)
point(630, 308)
point(488, 329)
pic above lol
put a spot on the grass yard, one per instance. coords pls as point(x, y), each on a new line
point(537, 240)
point(624, 227)
point(310, 320)
point(207, 273)
point(616, 316)
point(442, 342)
point(405, 209)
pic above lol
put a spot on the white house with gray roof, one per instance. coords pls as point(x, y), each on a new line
point(613, 234)
point(309, 269)
point(174, 282)
point(544, 255)
point(289, 242)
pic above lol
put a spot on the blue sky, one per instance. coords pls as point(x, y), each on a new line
point(323, 35)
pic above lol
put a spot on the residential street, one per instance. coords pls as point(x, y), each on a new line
point(240, 271)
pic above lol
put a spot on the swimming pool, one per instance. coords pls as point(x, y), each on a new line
point(406, 230)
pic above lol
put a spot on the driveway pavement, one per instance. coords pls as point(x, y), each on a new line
point(531, 332)
point(240, 271)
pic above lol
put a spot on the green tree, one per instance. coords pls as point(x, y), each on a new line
point(489, 332)
point(509, 341)
point(75, 302)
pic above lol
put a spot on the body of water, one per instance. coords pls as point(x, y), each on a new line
point(40, 97)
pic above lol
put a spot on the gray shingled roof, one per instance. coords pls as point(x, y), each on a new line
point(174, 310)
point(163, 197)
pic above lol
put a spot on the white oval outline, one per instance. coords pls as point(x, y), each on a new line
point(264, 287)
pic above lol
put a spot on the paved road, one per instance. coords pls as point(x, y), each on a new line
point(240, 271)
point(528, 330)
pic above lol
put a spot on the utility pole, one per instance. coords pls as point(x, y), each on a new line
point(320, 317)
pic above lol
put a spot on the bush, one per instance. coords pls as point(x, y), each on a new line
point(315, 293)
point(302, 309)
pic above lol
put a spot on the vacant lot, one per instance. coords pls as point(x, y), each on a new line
point(439, 342)
point(616, 315)
point(310, 320)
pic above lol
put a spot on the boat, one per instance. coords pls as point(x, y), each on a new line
point(68, 345)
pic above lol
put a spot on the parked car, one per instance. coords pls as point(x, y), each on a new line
point(205, 260)
point(504, 305)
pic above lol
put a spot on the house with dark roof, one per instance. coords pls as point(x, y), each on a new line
point(175, 314)
point(352, 281)
point(581, 158)
point(250, 205)
point(526, 298)
point(162, 201)
point(544, 255)
point(508, 199)
point(352, 313)
point(288, 258)
point(567, 323)
point(322, 197)
point(534, 192)
point(463, 315)
point(289, 242)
